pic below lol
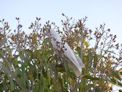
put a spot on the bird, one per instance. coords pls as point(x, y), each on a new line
point(74, 62)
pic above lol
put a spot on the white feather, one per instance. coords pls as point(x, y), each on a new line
point(75, 62)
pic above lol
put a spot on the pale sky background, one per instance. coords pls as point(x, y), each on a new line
point(97, 11)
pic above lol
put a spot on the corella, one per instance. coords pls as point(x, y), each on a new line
point(74, 62)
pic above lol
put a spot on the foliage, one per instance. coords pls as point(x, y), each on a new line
point(28, 62)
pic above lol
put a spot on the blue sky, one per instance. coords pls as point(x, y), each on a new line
point(97, 11)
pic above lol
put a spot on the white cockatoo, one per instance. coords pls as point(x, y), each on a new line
point(75, 62)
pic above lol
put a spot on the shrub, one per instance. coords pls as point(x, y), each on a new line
point(28, 62)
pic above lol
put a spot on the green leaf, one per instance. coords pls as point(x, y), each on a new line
point(116, 75)
point(116, 82)
point(90, 77)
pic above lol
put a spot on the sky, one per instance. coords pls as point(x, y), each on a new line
point(97, 11)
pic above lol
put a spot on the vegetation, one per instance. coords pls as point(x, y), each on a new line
point(28, 62)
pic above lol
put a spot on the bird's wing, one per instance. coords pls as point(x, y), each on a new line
point(74, 59)
point(80, 61)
